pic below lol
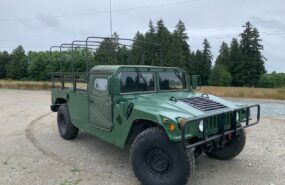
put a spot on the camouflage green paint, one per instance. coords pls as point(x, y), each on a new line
point(154, 107)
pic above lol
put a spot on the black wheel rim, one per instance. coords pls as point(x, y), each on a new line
point(158, 162)
point(62, 124)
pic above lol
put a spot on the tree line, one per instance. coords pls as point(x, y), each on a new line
point(239, 63)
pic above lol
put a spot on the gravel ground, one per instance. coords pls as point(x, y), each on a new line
point(32, 151)
point(269, 108)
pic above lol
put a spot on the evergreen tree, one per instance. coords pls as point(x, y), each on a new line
point(224, 56)
point(175, 55)
point(180, 32)
point(243, 60)
point(199, 62)
point(151, 27)
point(252, 63)
point(206, 62)
point(151, 54)
point(138, 51)
point(18, 67)
point(106, 54)
point(5, 59)
point(123, 55)
point(195, 63)
point(164, 38)
point(235, 60)
point(182, 37)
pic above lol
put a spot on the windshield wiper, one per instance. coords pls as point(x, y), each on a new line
point(140, 75)
point(178, 75)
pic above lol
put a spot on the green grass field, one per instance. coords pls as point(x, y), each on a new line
point(241, 92)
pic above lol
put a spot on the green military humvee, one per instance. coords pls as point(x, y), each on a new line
point(155, 110)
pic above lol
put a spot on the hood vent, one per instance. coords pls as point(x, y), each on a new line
point(203, 104)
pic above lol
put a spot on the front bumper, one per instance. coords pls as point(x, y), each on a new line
point(221, 130)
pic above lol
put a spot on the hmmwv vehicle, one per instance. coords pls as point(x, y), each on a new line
point(156, 110)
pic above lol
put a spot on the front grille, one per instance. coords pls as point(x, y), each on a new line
point(213, 121)
point(203, 104)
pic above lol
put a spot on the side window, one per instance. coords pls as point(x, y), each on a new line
point(128, 81)
point(100, 85)
point(136, 82)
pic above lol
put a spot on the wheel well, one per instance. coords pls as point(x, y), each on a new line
point(138, 126)
point(54, 107)
point(60, 101)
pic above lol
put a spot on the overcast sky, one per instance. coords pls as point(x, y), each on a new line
point(38, 24)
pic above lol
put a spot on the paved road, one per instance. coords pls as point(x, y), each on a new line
point(32, 151)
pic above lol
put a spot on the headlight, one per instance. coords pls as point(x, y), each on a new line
point(242, 123)
point(201, 126)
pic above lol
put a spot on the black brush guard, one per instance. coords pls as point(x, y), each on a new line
point(222, 132)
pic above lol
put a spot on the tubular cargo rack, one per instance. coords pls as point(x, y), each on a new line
point(221, 127)
point(89, 44)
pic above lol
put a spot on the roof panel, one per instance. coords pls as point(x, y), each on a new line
point(114, 68)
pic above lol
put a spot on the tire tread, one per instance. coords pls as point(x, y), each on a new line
point(71, 130)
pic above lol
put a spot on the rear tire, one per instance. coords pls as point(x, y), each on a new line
point(158, 161)
point(65, 127)
point(231, 149)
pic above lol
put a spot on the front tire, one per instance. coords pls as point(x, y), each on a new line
point(65, 127)
point(158, 161)
point(232, 148)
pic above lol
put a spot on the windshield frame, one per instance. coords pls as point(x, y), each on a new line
point(156, 71)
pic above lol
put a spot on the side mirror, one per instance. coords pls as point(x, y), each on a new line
point(115, 85)
point(196, 81)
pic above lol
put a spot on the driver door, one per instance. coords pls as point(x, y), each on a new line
point(100, 106)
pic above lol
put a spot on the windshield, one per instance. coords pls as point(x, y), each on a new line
point(172, 80)
point(136, 81)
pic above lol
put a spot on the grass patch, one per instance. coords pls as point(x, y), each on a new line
point(33, 85)
point(245, 92)
point(29, 85)
point(75, 171)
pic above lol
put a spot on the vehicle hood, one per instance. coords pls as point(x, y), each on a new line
point(160, 104)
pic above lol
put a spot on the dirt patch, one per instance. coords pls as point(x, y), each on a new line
point(32, 152)
point(45, 151)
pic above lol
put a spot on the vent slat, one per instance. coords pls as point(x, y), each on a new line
point(203, 104)
point(210, 106)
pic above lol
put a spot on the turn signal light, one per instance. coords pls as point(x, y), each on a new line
point(171, 127)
